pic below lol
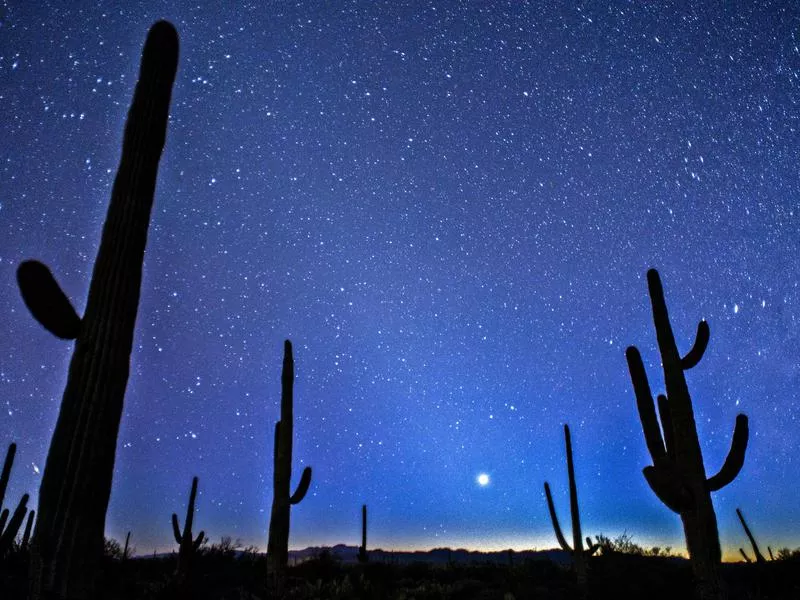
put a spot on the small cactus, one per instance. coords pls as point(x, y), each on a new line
point(187, 546)
point(756, 551)
point(363, 557)
point(578, 553)
point(9, 527)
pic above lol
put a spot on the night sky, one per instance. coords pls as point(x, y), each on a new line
point(449, 208)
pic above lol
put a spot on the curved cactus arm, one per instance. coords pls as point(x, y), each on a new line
point(562, 541)
point(744, 555)
point(200, 537)
point(6, 474)
point(590, 547)
point(644, 402)
point(665, 482)
point(700, 344)
point(302, 487)
point(666, 425)
point(47, 301)
point(735, 459)
point(176, 530)
point(12, 528)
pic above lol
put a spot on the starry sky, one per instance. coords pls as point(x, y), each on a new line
point(449, 208)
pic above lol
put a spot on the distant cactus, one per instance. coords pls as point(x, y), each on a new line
point(577, 551)
point(26, 536)
point(9, 527)
point(278, 545)
point(756, 551)
point(744, 555)
point(67, 543)
point(126, 549)
point(363, 557)
point(678, 475)
point(187, 546)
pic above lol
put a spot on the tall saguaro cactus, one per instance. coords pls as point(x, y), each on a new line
point(578, 553)
point(678, 475)
point(278, 546)
point(67, 542)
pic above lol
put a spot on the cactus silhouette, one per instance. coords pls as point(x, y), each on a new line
point(278, 545)
point(10, 522)
point(577, 551)
point(678, 475)
point(67, 542)
point(363, 557)
point(756, 551)
point(187, 546)
point(26, 536)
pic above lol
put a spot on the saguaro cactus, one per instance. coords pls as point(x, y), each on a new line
point(278, 546)
point(68, 539)
point(759, 557)
point(577, 551)
point(363, 557)
point(187, 545)
point(678, 475)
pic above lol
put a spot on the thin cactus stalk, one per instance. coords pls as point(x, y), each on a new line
point(26, 536)
point(278, 545)
point(577, 551)
point(127, 547)
point(756, 552)
point(187, 544)
point(6, 473)
point(744, 555)
point(67, 544)
point(769, 550)
point(678, 475)
point(363, 557)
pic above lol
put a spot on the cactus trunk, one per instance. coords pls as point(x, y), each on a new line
point(363, 557)
point(278, 545)
point(67, 542)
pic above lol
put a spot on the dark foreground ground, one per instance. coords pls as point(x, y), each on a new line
point(241, 576)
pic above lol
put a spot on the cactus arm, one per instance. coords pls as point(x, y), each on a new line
point(769, 549)
point(590, 547)
point(302, 487)
point(6, 474)
point(666, 484)
point(700, 344)
point(666, 426)
point(199, 540)
point(562, 541)
point(735, 459)
point(176, 530)
point(3, 519)
point(644, 402)
point(47, 301)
